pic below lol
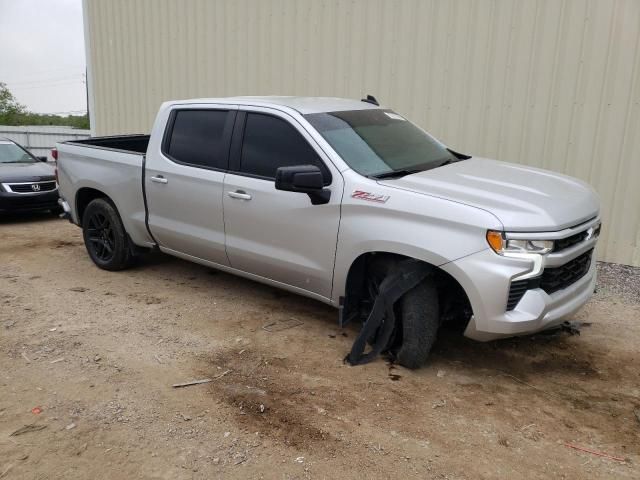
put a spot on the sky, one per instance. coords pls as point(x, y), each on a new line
point(42, 57)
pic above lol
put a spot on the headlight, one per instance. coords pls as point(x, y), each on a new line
point(502, 246)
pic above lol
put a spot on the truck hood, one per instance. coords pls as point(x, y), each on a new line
point(522, 198)
point(26, 172)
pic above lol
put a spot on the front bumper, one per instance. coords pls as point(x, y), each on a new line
point(66, 209)
point(486, 278)
point(15, 202)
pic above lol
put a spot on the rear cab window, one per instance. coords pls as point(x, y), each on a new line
point(199, 137)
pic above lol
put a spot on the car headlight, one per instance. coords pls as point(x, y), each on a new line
point(502, 246)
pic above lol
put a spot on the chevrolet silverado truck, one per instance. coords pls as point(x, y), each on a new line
point(327, 198)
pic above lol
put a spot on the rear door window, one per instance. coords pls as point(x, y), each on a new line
point(199, 138)
point(270, 142)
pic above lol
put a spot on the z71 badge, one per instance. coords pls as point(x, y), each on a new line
point(370, 197)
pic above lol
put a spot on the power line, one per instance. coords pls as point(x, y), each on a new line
point(44, 78)
point(45, 72)
point(43, 86)
point(76, 76)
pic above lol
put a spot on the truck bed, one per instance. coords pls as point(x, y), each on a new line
point(123, 143)
point(111, 165)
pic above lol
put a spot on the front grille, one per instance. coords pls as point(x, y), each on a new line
point(554, 279)
point(568, 242)
point(29, 187)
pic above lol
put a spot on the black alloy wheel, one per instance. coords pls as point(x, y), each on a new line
point(104, 235)
point(101, 236)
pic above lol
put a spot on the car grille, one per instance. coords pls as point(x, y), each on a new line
point(35, 187)
point(552, 279)
point(568, 242)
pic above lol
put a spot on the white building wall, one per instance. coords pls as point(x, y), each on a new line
point(549, 83)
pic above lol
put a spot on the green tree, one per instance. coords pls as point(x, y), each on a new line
point(9, 106)
point(14, 113)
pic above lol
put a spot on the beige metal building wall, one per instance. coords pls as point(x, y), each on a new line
point(549, 83)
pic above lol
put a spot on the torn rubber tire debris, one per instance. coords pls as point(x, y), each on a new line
point(381, 322)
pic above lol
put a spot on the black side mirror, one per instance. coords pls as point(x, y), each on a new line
point(43, 159)
point(303, 179)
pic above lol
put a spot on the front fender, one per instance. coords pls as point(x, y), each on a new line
point(434, 230)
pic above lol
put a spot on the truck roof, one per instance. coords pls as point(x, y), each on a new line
point(304, 105)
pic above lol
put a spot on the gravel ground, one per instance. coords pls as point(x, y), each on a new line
point(88, 359)
point(622, 281)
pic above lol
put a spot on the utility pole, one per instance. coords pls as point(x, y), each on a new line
point(86, 89)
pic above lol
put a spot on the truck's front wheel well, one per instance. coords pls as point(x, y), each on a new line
point(84, 196)
point(455, 307)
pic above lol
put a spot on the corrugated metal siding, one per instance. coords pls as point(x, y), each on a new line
point(549, 83)
point(40, 139)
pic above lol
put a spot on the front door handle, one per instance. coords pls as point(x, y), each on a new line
point(159, 179)
point(239, 194)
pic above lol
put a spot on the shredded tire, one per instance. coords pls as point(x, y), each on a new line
point(417, 317)
point(420, 320)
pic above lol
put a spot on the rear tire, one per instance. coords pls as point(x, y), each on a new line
point(104, 235)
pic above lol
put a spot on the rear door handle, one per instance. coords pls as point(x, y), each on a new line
point(239, 194)
point(159, 179)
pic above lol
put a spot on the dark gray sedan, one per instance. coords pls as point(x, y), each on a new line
point(26, 182)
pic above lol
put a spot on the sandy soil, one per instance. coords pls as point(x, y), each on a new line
point(98, 353)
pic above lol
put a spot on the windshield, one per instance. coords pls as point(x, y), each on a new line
point(379, 142)
point(12, 153)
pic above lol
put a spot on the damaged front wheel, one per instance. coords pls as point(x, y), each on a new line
point(419, 320)
point(405, 316)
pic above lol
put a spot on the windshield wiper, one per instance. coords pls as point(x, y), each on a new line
point(397, 173)
point(447, 162)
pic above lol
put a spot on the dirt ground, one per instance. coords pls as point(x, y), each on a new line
point(98, 352)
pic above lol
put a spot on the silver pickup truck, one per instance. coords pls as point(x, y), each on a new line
point(339, 200)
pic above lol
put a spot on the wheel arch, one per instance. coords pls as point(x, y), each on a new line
point(84, 196)
point(454, 301)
